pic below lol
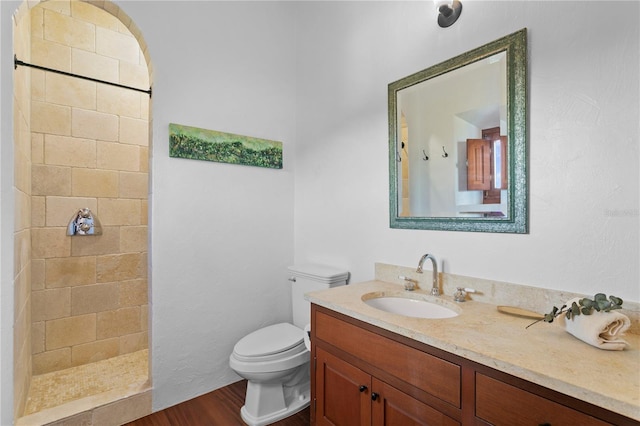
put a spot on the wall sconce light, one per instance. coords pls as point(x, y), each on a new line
point(448, 12)
point(84, 222)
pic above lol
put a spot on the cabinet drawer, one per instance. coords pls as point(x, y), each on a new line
point(431, 374)
point(502, 404)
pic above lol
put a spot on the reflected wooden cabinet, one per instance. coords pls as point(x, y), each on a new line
point(363, 375)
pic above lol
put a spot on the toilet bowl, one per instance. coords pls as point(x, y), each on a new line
point(275, 359)
point(275, 362)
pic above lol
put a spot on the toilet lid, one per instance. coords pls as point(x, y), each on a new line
point(269, 340)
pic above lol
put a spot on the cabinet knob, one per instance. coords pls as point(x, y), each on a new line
point(374, 396)
point(363, 388)
point(545, 424)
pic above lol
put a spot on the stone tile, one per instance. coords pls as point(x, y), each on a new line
point(53, 54)
point(38, 85)
point(70, 271)
point(144, 159)
point(134, 342)
point(38, 211)
point(51, 119)
point(133, 239)
point(144, 212)
point(62, 7)
point(23, 210)
point(95, 15)
point(107, 243)
point(121, 267)
point(144, 317)
point(133, 293)
point(119, 101)
point(97, 66)
point(118, 323)
point(117, 45)
point(37, 22)
point(135, 75)
point(60, 210)
point(94, 298)
point(70, 91)
point(134, 185)
point(37, 148)
point(37, 337)
point(70, 331)
point(117, 156)
point(123, 411)
point(22, 249)
point(81, 419)
point(23, 252)
point(37, 274)
point(94, 125)
point(95, 351)
point(50, 242)
point(119, 211)
point(46, 362)
point(50, 180)
point(134, 131)
point(94, 183)
point(68, 151)
point(68, 31)
point(51, 304)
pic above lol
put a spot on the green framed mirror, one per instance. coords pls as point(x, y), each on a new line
point(458, 142)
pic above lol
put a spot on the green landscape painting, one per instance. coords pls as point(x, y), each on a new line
point(211, 145)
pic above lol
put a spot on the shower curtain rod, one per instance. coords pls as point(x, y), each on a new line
point(17, 62)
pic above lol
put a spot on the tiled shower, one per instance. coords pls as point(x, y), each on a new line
point(78, 143)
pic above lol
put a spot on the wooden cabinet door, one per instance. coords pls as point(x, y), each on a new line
point(343, 392)
point(391, 407)
point(501, 404)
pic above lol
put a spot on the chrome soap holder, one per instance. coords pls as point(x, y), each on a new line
point(84, 222)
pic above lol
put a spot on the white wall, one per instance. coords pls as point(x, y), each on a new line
point(222, 235)
point(583, 112)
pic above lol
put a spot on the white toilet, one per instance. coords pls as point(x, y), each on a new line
point(275, 359)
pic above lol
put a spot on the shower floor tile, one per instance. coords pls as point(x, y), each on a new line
point(59, 387)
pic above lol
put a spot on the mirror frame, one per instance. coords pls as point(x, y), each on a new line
point(515, 46)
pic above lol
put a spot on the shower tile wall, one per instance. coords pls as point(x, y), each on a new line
point(22, 226)
point(89, 148)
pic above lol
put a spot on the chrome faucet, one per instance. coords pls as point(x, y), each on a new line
point(435, 289)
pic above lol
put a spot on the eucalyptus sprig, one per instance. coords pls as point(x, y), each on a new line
point(585, 306)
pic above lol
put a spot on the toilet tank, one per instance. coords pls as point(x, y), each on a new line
point(306, 278)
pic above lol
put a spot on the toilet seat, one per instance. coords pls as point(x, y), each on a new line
point(274, 348)
point(271, 340)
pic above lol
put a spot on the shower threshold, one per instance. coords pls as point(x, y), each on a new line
point(82, 392)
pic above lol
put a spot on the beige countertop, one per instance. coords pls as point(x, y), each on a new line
point(544, 354)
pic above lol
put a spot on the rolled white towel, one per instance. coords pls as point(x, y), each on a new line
point(600, 329)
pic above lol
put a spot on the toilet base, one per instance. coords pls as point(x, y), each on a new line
point(266, 403)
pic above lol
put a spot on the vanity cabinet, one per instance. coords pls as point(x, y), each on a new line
point(365, 375)
point(353, 397)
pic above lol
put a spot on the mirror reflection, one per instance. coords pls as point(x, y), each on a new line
point(457, 142)
point(453, 140)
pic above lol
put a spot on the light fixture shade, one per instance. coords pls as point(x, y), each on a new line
point(448, 12)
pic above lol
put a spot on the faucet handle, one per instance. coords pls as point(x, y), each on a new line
point(409, 284)
point(461, 294)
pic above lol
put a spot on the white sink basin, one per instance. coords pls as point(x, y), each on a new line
point(410, 305)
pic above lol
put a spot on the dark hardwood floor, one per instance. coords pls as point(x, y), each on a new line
point(220, 407)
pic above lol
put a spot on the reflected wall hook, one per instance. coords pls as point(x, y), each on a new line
point(426, 157)
point(445, 155)
point(84, 222)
